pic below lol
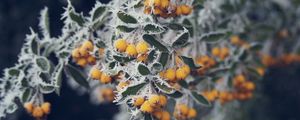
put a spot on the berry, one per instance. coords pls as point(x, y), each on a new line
point(95, 74)
point(192, 113)
point(186, 10)
point(29, 107)
point(46, 107)
point(82, 62)
point(146, 107)
point(138, 101)
point(153, 100)
point(37, 112)
point(120, 45)
point(131, 50)
point(170, 74)
point(75, 53)
point(142, 47)
point(181, 74)
point(88, 45)
point(105, 78)
point(163, 100)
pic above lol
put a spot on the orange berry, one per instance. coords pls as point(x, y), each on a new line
point(28, 107)
point(87, 45)
point(82, 62)
point(131, 50)
point(105, 78)
point(120, 45)
point(170, 74)
point(192, 113)
point(91, 60)
point(46, 107)
point(95, 74)
point(138, 101)
point(146, 107)
point(186, 10)
point(163, 100)
point(75, 53)
point(37, 112)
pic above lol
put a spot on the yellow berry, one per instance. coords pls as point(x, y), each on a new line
point(122, 85)
point(82, 62)
point(29, 107)
point(170, 74)
point(91, 60)
point(157, 11)
point(46, 107)
point(105, 78)
point(138, 101)
point(95, 74)
point(158, 114)
point(146, 107)
point(153, 100)
point(147, 3)
point(157, 2)
point(83, 52)
point(178, 10)
point(87, 45)
point(181, 74)
point(75, 53)
point(249, 86)
point(120, 45)
point(142, 47)
point(186, 10)
point(163, 100)
point(187, 69)
point(215, 51)
point(165, 116)
point(37, 112)
point(192, 113)
point(131, 50)
point(183, 109)
point(165, 3)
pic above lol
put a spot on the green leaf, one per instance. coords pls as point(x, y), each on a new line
point(164, 57)
point(98, 12)
point(200, 99)
point(143, 70)
point(35, 48)
point(151, 56)
point(132, 90)
point(213, 37)
point(189, 26)
point(76, 18)
point(175, 26)
point(255, 47)
point(57, 76)
point(100, 44)
point(77, 75)
point(43, 64)
point(153, 29)
point(124, 28)
point(46, 89)
point(26, 95)
point(14, 72)
point(162, 86)
point(243, 55)
point(152, 41)
point(183, 84)
point(176, 94)
point(181, 40)
point(126, 18)
point(147, 116)
point(122, 59)
point(190, 62)
point(253, 71)
point(156, 67)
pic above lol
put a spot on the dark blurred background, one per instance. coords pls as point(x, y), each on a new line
point(279, 97)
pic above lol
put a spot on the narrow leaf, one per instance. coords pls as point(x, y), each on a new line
point(77, 75)
point(181, 40)
point(200, 99)
point(126, 18)
point(152, 41)
point(190, 62)
point(124, 28)
point(143, 70)
point(43, 64)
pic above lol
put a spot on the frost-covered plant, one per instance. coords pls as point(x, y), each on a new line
point(158, 59)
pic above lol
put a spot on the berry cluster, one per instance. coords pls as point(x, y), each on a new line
point(183, 112)
point(244, 88)
point(141, 48)
point(97, 74)
point(82, 55)
point(165, 9)
point(220, 52)
point(172, 75)
point(206, 63)
point(38, 111)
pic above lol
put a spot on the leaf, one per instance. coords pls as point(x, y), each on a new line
point(175, 26)
point(200, 99)
point(189, 26)
point(151, 56)
point(243, 55)
point(76, 18)
point(44, 22)
point(255, 47)
point(46, 89)
point(98, 12)
point(153, 29)
point(122, 59)
point(176, 94)
point(213, 37)
point(26, 95)
point(14, 72)
point(152, 41)
point(77, 75)
point(42, 63)
point(126, 18)
point(190, 62)
point(181, 40)
point(124, 28)
point(147, 117)
point(143, 70)
point(57, 76)
point(156, 67)
point(253, 71)
point(132, 90)
point(162, 86)
point(183, 84)
point(35, 48)
point(100, 44)
point(164, 57)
